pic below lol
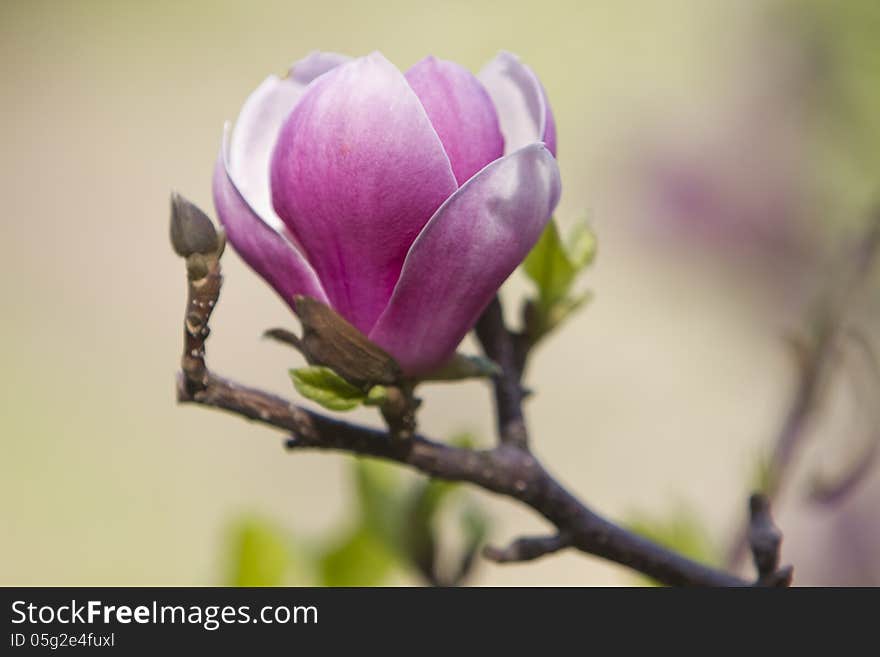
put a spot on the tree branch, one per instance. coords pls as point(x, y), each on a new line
point(505, 470)
point(828, 490)
point(508, 469)
point(814, 371)
point(509, 351)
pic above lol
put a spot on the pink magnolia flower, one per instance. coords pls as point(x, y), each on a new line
point(403, 201)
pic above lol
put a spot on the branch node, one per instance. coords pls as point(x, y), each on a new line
point(781, 579)
point(765, 540)
point(527, 548)
point(399, 412)
point(509, 470)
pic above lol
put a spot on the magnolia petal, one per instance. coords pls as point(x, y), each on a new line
point(464, 254)
point(258, 124)
point(263, 248)
point(521, 101)
point(461, 112)
point(357, 172)
point(314, 64)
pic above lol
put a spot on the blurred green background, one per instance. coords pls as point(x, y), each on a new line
point(721, 151)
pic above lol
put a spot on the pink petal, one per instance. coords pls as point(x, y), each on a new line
point(258, 124)
point(464, 254)
point(357, 172)
point(461, 112)
point(522, 105)
point(263, 248)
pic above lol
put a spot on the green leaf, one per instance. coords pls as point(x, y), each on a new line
point(475, 526)
point(419, 540)
point(326, 387)
point(465, 440)
point(358, 559)
point(259, 554)
point(582, 246)
point(427, 498)
point(376, 396)
point(553, 265)
point(428, 501)
point(380, 500)
point(366, 555)
point(563, 309)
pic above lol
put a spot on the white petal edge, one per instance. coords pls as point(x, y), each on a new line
point(519, 100)
point(258, 124)
point(298, 265)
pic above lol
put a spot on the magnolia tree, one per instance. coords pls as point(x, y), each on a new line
point(386, 209)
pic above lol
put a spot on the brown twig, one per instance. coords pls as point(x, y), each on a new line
point(505, 470)
point(508, 469)
point(831, 320)
point(765, 539)
point(814, 371)
point(831, 490)
point(194, 238)
point(509, 351)
point(527, 548)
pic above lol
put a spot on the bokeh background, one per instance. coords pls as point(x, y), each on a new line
point(722, 151)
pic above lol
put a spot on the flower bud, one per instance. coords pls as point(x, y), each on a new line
point(191, 230)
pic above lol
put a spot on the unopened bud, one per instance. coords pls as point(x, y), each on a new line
point(191, 230)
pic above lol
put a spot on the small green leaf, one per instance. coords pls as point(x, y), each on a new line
point(424, 547)
point(475, 528)
point(358, 559)
point(582, 245)
point(419, 540)
point(475, 525)
point(465, 440)
point(259, 554)
point(563, 309)
point(553, 265)
point(326, 387)
point(380, 500)
point(376, 396)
